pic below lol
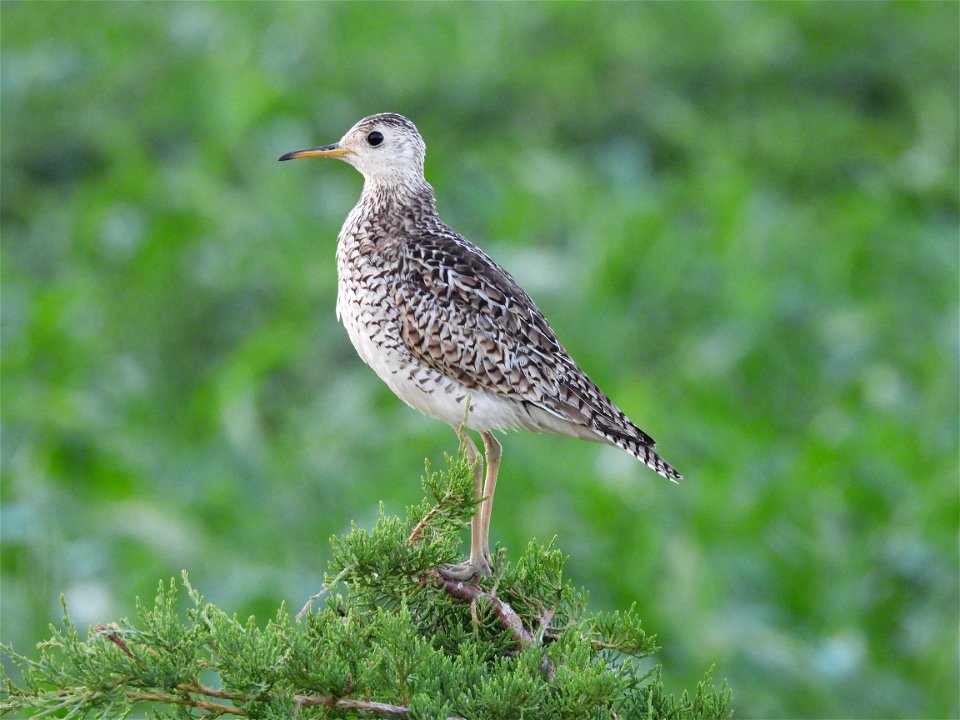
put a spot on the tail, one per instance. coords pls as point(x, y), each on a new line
point(585, 407)
point(640, 445)
point(649, 456)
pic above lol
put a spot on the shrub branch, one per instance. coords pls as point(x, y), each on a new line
point(392, 639)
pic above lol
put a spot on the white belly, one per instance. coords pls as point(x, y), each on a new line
point(419, 387)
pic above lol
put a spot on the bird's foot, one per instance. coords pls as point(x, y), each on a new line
point(467, 570)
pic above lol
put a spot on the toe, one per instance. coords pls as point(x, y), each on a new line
point(467, 570)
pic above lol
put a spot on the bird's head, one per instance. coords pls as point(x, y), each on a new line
point(379, 146)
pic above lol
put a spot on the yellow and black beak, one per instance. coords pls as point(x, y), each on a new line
point(334, 151)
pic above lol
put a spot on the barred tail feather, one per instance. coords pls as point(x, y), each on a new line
point(644, 452)
point(655, 462)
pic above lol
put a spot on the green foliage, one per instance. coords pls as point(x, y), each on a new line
point(394, 643)
point(740, 218)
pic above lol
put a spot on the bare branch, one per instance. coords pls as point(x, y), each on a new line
point(505, 614)
point(418, 528)
point(212, 692)
point(320, 593)
point(370, 706)
point(192, 702)
point(545, 621)
point(111, 633)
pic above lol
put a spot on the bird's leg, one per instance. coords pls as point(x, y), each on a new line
point(477, 564)
point(476, 527)
point(492, 451)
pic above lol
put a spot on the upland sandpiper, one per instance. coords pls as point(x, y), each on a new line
point(449, 330)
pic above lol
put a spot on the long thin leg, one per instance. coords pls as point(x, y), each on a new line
point(477, 564)
point(476, 526)
point(493, 452)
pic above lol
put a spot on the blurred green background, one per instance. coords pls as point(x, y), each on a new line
point(741, 219)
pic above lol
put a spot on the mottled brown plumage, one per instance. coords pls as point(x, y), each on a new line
point(447, 328)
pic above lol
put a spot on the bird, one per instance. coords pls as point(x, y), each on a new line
point(449, 330)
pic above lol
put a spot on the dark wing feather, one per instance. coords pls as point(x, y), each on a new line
point(491, 335)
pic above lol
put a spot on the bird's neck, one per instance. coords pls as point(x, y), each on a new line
point(386, 194)
point(389, 209)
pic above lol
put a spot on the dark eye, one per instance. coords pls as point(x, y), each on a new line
point(375, 138)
